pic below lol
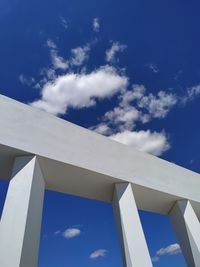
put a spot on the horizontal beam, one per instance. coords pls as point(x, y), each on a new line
point(78, 161)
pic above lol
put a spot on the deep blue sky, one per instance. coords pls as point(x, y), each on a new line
point(159, 43)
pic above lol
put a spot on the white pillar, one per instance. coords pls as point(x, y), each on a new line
point(133, 244)
point(187, 228)
point(21, 217)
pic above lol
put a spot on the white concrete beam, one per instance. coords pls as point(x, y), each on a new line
point(77, 161)
point(133, 244)
point(187, 228)
point(22, 213)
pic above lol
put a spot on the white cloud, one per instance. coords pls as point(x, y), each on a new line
point(172, 249)
point(115, 48)
point(146, 141)
point(96, 24)
point(123, 117)
point(79, 55)
point(98, 253)
point(71, 233)
point(137, 92)
point(59, 92)
point(80, 90)
point(57, 61)
point(158, 106)
point(64, 23)
point(136, 105)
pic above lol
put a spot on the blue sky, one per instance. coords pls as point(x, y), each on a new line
point(127, 69)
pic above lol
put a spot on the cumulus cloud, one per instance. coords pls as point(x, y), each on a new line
point(134, 106)
point(151, 142)
point(170, 250)
point(79, 55)
point(96, 24)
point(63, 90)
point(71, 233)
point(80, 90)
point(111, 52)
point(98, 253)
point(57, 61)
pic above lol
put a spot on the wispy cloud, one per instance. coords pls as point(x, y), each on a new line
point(170, 250)
point(29, 81)
point(57, 61)
point(96, 24)
point(78, 56)
point(64, 23)
point(152, 67)
point(57, 232)
point(113, 50)
point(191, 94)
point(98, 253)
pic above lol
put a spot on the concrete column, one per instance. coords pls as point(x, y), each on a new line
point(21, 217)
point(133, 244)
point(187, 228)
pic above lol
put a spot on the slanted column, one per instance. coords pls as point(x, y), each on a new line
point(133, 244)
point(187, 228)
point(22, 213)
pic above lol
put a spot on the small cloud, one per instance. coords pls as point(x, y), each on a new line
point(98, 253)
point(57, 61)
point(96, 25)
point(64, 23)
point(71, 233)
point(170, 250)
point(79, 55)
point(152, 67)
point(57, 232)
point(178, 75)
point(191, 94)
point(51, 44)
point(115, 48)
